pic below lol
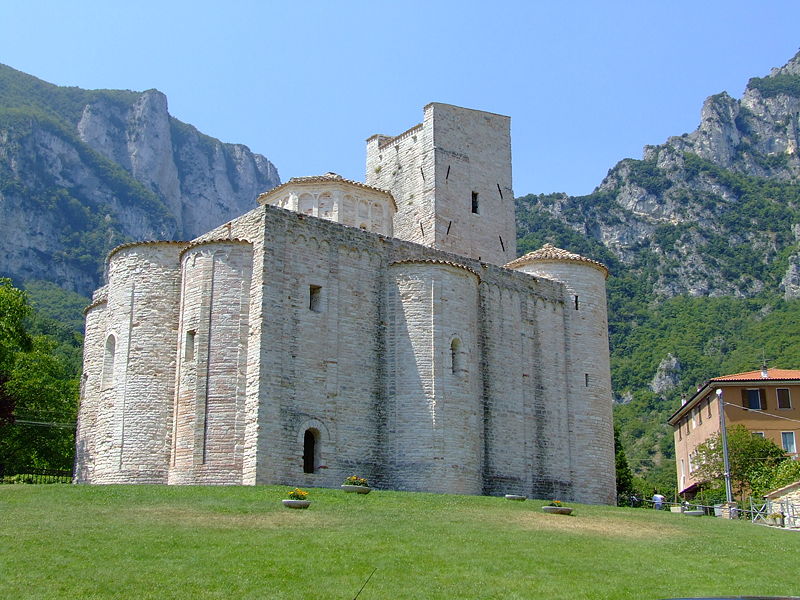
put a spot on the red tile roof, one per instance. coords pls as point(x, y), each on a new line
point(746, 377)
point(550, 252)
point(756, 375)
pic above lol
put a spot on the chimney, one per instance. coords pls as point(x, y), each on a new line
point(764, 372)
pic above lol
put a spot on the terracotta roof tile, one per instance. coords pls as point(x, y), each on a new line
point(550, 252)
point(435, 261)
point(143, 243)
point(756, 375)
point(746, 377)
point(329, 177)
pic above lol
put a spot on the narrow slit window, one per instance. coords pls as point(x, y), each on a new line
point(456, 364)
point(188, 345)
point(315, 298)
point(475, 204)
point(576, 302)
point(108, 361)
point(586, 379)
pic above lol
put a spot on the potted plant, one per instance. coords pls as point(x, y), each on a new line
point(297, 499)
point(775, 519)
point(355, 484)
point(556, 507)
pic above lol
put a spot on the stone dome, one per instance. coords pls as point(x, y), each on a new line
point(549, 253)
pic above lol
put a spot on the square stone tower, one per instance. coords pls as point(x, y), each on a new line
point(451, 178)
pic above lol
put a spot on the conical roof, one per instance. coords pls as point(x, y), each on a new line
point(548, 252)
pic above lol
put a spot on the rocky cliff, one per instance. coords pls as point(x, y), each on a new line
point(701, 237)
point(84, 170)
point(710, 213)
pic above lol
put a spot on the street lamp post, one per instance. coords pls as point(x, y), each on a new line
point(725, 461)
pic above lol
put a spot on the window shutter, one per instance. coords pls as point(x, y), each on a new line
point(745, 403)
point(762, 396)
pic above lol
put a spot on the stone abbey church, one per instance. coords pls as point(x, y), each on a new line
point(384, 329)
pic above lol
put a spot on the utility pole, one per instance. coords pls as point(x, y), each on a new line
point(725, 460)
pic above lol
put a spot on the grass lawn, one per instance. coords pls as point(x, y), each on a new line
point(62, 541)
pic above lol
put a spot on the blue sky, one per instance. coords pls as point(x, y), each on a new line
point(305, 83)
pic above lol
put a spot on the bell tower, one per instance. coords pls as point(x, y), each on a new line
point(451, 178)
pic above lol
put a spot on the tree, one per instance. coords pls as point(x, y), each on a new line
point(784, 473)
point(752, 458)
point(38, 388)
point(14, 309)
point(625, 488)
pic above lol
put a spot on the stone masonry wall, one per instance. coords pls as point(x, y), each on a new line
point(433, 367)
point(349, 335)
point(210, 403)
point(588, 377)
point(434, 170)
point(404, 165)
point(136, 379)
point(319, 350)
point(87, 432)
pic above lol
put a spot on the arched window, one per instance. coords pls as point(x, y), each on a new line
point(311, 451)
point(347, 211)
point(456, 356)
point(325, 205)
point(306, 204)
point(377, 218)
point(108, 361)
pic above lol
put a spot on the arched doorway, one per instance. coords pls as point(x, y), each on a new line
point(311, 451)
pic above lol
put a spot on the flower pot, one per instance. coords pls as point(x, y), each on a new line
point(558, 510)
point(356, 489)
point(514, 497)
point(296, 503)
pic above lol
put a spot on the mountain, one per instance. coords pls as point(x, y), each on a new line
point(702, 236)
point(82, 171)
point(710, 213)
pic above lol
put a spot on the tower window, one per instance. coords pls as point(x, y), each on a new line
point(108, 362)
point(475, 205)
point(188, 346)
point(586, 379)
point(315, 298)
point(456, 359)
point(576, 302)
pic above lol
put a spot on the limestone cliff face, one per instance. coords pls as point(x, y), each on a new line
point(82, 171)
point(712, 212)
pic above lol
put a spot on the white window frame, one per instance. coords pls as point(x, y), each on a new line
point(794, 442)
